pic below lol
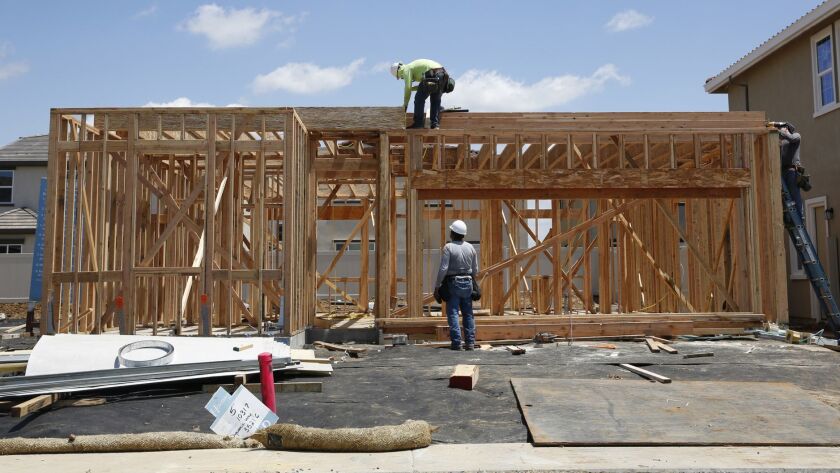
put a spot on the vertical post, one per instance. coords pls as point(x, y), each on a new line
point(364, 252)
point(557, 267)
point(384, 224)
point(129, 227)
point(49, 221)
point(414, 248)
point(604, 274)
point(206, 321)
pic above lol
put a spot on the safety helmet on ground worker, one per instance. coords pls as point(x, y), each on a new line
point(459, 227)
point(395, 69)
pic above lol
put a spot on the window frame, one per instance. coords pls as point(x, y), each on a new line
point(6, 243)
point(353, 246)
point(11, 188)
point(816, 85)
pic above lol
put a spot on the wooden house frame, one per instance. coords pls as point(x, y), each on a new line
point(686, 205)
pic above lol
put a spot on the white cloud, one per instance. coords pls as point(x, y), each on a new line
point(491, 91)
point(307, 78)
point(13, 69)
point(148, 11)
point(628, 20)
point(227, 28)
point(186, 102)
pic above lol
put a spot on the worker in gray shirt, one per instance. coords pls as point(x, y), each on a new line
point(454, 283)
point(789, 141)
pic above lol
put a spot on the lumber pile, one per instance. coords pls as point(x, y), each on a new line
point(593, 325)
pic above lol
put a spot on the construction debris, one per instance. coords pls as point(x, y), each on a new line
point(514, 350)
point(645, 373)
point(345, 348)
point(464, 377)
point(698, 355)
point(410, 435)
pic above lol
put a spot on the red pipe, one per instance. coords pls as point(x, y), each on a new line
point(267, 381)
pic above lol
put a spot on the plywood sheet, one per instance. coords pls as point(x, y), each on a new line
point(629, 412)
point(352, 118)
point(64, 353)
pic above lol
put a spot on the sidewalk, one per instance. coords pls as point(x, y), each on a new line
point(511, 457)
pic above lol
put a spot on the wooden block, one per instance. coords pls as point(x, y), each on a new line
point(514, 350)
point(667, 348)
point(652, 345)
point(464, 377)
point(240, 379)
point(243, 347)
point(662, 340)
point(645, 373)
point(35, 404)
point(485, 346)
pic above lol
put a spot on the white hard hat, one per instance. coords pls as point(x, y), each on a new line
point(459, 227)
point(395, 69)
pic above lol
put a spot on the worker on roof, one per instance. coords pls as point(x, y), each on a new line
point(456, 283)
point(432, 81)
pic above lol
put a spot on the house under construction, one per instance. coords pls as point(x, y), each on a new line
point(652, 223)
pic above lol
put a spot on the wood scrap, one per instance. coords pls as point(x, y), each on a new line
point(34, 404)
point(243, 347)
point(660, 340)
point(514, 350)
point(645, 373)
point(464, 377)
point(667, 348)
point(344, 348)
point(608, 346)
point(652, 345)
point(485, 346)
point(698, 355)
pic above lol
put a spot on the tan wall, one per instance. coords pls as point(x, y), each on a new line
point(14, 277)
point(781, 85)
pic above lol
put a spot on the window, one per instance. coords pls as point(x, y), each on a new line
point(7, 178)
point(824, 71)
point(343, 202)
point(11, 246)
point(354, 245)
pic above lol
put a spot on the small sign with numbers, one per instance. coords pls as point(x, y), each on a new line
point(239, 414)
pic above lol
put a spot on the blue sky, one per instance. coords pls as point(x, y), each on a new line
point(606, 55)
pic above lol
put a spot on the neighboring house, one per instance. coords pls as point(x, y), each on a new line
point(22, 165)
point(793, 76)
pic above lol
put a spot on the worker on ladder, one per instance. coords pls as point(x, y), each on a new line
point(456, 284)
point(793, 174)
point(433, 82)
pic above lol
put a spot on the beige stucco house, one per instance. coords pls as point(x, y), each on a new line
point(793, 76)
point(22, 165)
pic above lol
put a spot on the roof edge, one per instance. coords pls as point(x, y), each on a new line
point(792, 31)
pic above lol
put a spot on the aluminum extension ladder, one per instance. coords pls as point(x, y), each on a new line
point(808, 257)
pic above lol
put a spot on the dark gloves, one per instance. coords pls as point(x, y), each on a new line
point(437, 295)
point(476, 291)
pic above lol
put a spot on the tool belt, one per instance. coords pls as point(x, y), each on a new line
point(437, 81)
point(443, 291)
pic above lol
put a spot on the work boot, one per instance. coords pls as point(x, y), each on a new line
point(469, 347)
point(455, 347)
point(435, 127)
point(415, 127)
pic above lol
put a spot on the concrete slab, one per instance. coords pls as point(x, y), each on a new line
point(443, 458)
